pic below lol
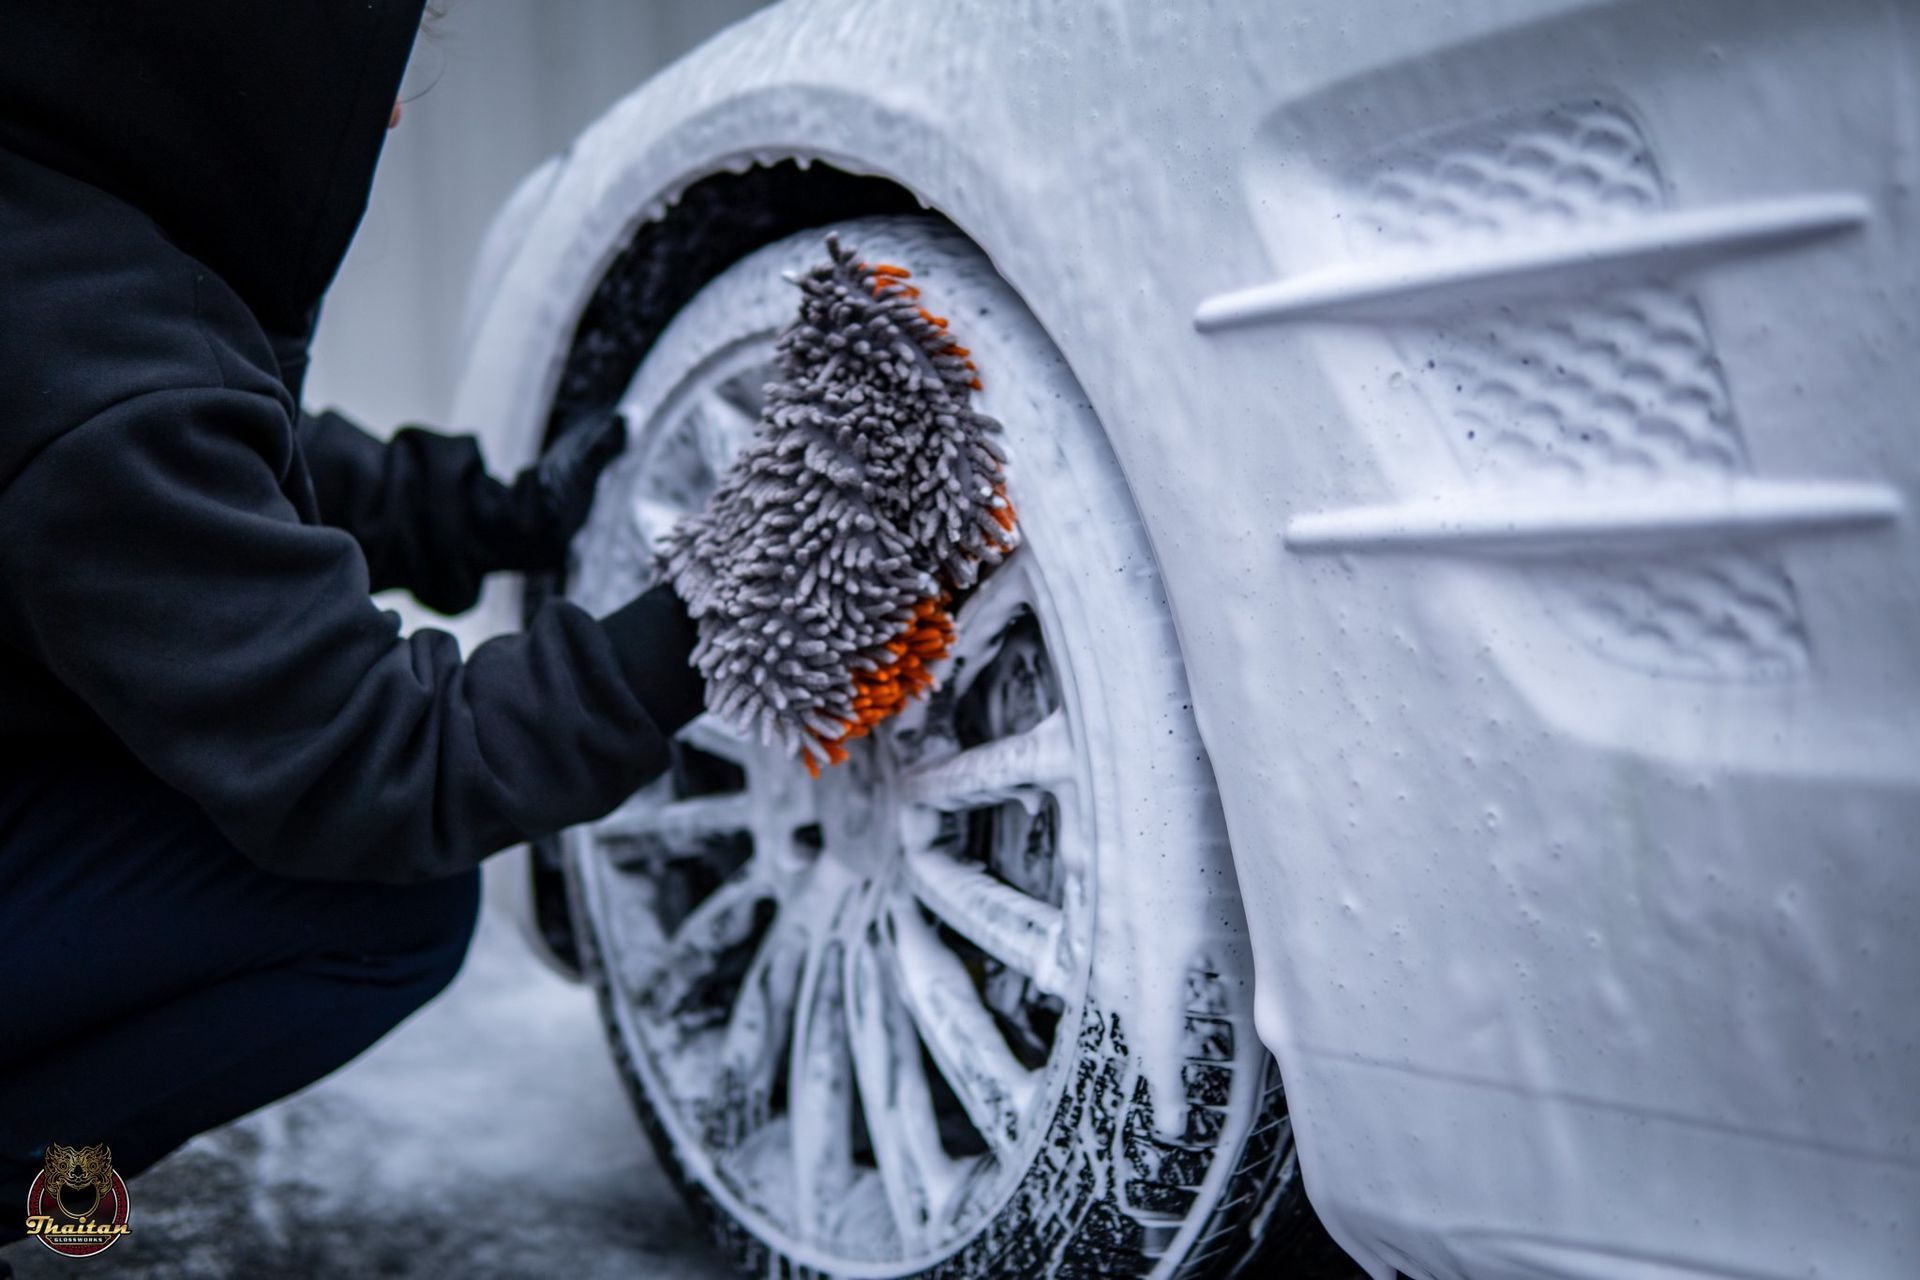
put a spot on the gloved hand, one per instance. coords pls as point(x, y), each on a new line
point(548, 502)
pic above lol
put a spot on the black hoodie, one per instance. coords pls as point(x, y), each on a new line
point(178, 183)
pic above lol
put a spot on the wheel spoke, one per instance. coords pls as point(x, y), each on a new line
point(982, 622)
point(1019, 767)
point(681, 825)
point(960, 1034)
point(915, 1171)
point(1021, 932)
point(724, 428)
point(710, 734)
point(756, 1034)
point(726, 919)
point(820, 1094)
point(654, 518)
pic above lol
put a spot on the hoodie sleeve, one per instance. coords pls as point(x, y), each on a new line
point(150, 561)
point(422, 506)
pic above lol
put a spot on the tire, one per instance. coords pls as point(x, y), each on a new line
point(962, 1008)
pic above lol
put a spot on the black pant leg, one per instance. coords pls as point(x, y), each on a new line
point(163, 985)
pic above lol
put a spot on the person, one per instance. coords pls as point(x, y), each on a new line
point(240, 814)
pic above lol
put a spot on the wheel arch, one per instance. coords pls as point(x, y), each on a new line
point(692, 194)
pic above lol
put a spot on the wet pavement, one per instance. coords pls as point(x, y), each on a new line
point(488, 1137)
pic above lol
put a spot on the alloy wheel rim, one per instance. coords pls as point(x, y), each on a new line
point(851, 1000)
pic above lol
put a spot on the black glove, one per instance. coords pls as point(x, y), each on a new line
point(653, 641)
point(548, 502)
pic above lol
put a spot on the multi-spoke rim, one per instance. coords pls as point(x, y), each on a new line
point(847, 999)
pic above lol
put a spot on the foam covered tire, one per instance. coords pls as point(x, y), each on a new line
point(978, 1002)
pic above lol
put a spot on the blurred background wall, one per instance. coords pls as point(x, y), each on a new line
point(496, 86)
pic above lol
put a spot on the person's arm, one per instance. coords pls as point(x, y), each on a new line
point(429, 517)
point(150, 561)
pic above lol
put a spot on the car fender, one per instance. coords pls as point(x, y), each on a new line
point(1472, 846)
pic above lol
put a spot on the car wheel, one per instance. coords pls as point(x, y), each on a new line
point(978, 1001)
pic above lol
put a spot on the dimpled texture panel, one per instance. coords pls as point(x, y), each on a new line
point(1618, 387)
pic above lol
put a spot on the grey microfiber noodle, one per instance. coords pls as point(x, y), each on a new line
point(870, 487)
